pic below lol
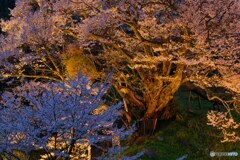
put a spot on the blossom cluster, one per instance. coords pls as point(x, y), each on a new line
point(57, 117)
point(226, 124)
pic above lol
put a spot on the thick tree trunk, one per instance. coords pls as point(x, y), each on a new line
point(150, 97)
point(156, 102)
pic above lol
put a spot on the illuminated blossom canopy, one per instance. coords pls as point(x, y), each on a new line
point(58, 117)
point(154, 45)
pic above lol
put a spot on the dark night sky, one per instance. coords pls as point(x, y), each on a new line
point(4, 7)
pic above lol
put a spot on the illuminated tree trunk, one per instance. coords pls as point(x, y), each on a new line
point(157, 101)
point(156, 93)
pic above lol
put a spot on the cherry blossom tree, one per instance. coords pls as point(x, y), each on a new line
point(154, 45)
point(30, 48)
point(57, 118)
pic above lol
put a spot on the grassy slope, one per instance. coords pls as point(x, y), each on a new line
point(188, 135)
